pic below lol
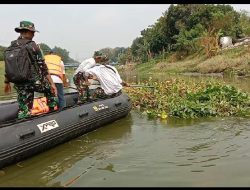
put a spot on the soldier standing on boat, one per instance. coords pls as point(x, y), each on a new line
point(39, 78)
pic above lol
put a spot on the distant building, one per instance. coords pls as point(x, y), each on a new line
point(71, 65)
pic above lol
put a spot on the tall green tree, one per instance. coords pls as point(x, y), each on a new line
point(63, 53)
point(244, 22)
point(182, 26)
point(113, 53)
point(45, 48)
point(2, 49)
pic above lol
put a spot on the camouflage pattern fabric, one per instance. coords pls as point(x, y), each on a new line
point(26, 25)
point(38, 83)
point(26, 96)
point(98, 93)
point(81, 86)
point(85, 94)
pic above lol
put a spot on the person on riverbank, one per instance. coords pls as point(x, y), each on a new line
point(39, 78)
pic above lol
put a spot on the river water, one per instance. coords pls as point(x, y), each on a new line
point(140, 152)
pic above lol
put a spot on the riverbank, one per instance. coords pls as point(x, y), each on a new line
point(190, 98)
point(235, 62)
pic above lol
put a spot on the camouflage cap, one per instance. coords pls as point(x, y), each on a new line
point(98, 54)
point(26, 25)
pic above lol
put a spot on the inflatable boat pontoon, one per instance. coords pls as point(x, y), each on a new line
point(21, 139)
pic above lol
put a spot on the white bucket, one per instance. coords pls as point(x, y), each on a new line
point(226, 41)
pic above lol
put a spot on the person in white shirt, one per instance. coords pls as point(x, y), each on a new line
point(78, 77)
point(109, 78)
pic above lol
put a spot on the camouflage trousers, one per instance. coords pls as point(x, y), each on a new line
point(85, 93)
point(26, 96)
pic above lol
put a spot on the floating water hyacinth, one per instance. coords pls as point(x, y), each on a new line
point(189, 99)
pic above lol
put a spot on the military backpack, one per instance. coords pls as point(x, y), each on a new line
point(18, 62)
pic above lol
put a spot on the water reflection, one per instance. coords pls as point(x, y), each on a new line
point(137, 151)
point(109, 167)
point(209, 143)
point(201, 143)
point(41, 169)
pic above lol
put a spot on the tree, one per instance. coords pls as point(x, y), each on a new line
point(116, 52)
point(107, 51)
point(45, 48)
point(112, 54)
point(63, 53)
point(244, 22)
point(139, 50)
point(187, 40)
point(2, 49)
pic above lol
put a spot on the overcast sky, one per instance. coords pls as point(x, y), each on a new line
point(83, 28)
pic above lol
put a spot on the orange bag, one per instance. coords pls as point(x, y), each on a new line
point(40, 106)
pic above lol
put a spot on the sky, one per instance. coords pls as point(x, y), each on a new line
point(82, 29)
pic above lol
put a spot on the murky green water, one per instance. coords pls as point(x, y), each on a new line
point(136, 151)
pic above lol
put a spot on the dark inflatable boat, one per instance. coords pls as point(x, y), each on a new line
point(21, 139)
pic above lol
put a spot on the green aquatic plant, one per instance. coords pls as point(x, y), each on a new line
point(189, 99)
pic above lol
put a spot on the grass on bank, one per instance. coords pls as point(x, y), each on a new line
point(1, 71)
point(232, 61)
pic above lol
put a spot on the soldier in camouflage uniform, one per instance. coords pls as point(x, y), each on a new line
point(81, 86)
point(41, 80)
